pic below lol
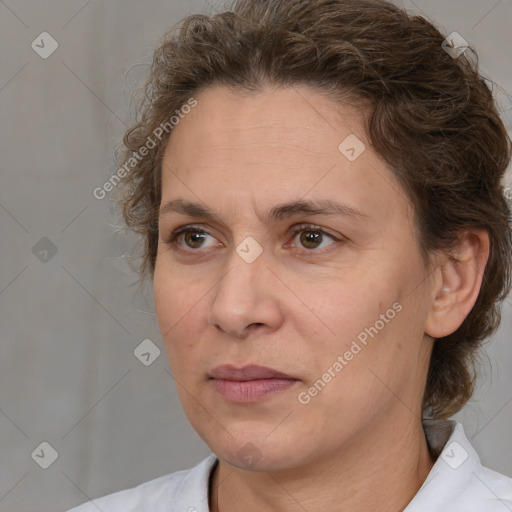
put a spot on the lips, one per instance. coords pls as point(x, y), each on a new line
point(251, 372)
point(250, 383)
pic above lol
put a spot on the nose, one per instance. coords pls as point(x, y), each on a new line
point(246, 298)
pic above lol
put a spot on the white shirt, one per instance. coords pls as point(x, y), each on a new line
point(456, 483)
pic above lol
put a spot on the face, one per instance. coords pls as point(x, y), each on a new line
point(299, 256)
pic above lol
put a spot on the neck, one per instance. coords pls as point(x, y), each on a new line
point(382, 469)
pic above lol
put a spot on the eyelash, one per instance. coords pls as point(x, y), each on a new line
point(172, 239)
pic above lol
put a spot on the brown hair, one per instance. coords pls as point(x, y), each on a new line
point(431, 117)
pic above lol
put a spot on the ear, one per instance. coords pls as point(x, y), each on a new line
point(457, 283)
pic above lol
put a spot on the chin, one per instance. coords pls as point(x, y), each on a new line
point(253, 449)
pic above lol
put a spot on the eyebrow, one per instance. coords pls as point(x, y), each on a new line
point(278, 212)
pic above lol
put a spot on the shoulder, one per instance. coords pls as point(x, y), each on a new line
point(165, 493)
point(458, 481)
point(493, 488)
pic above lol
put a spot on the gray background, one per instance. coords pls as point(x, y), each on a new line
point(69, 326)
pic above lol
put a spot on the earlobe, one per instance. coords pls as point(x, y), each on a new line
point(458, 283)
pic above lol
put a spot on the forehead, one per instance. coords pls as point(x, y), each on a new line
point(275, 143)
point(287, 115)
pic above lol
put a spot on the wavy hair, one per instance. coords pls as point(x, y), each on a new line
point(431, 117)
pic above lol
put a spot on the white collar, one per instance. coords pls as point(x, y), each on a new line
point(456, 483)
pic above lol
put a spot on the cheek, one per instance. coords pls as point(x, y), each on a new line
point(342, 309)
point(364, 322)
point(175, 294)
point(176, 305)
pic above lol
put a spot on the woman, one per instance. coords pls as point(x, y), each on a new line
point(318, 186)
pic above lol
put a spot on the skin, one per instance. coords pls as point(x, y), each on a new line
point(358, 445)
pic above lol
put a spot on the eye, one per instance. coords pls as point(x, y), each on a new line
point(312, 237)
point(194, 238)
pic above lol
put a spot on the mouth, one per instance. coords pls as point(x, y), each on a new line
point(249, 384)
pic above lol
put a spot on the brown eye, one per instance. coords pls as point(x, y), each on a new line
point(194, 239)
point(311, 239)
point(191, 238)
